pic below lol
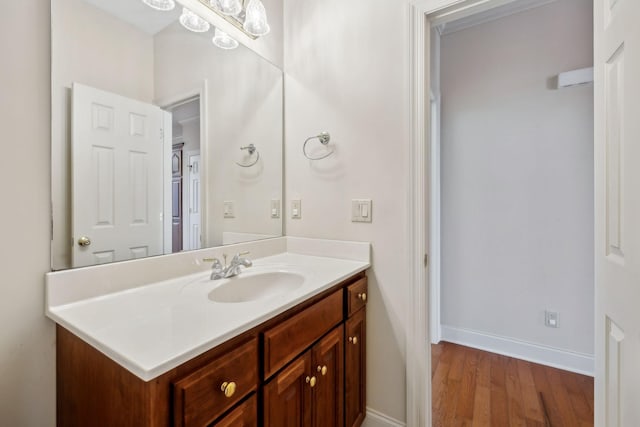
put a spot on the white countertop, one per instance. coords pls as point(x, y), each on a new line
point(152, 329)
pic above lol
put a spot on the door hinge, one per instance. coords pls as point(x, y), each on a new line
point(426, 260)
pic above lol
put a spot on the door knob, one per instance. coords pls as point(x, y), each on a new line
point(363, 296)
point(323, 369)
point(311, 381)
point(353, 340)
point(228, 388)
point(84, 241)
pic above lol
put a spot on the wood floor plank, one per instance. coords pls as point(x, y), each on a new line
point(533, 411)
point(466, 396)
point(479, 389)
point(514, 394)
point(499, 407)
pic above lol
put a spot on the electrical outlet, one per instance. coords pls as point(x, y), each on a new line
point(229, 209)
point(551, 319)
point(275, 208)
point(296, 209)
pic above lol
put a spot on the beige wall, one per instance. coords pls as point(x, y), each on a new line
point(27, 356)
point(244, 105)
point(116, 57)
point(517, 177)
point(346, 73)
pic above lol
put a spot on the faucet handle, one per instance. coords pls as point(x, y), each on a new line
point(216, 262)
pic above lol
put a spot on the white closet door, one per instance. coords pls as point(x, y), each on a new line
point(617, 187)
point(117, 182)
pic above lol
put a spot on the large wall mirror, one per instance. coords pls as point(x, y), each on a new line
point(161, 141)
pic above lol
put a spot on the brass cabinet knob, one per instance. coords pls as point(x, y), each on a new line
point(84, 241)
point(229, 388)
point(323, 370)
point(353, 340)
point(311, 381)
point(363, 296)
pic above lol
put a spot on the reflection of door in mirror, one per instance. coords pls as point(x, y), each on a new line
point(186, 168)
point(117, 184)
point(176, 198)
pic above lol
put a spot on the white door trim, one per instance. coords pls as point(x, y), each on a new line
point(200, 92)
point(418, 352)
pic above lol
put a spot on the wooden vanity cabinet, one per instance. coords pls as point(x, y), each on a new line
point(304, 367)
point(310, 391)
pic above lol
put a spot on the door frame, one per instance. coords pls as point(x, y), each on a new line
point(186, 224)
point(200, 92)
point(421, 205)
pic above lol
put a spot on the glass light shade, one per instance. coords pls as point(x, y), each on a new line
point(163, 5)
point(224, 40)
point(228, 7)
point(255, 21)
point(193, 22)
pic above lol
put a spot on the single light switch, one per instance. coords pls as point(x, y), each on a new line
point(361, 210)
point(275, 208)
point(229, 211)
point(296, 209)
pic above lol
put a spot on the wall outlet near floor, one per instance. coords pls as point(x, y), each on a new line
point(296, 209)
point(551, 319)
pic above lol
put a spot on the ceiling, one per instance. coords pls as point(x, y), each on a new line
point(138, 14)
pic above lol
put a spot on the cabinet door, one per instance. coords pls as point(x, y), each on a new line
point(287, 397)
point(355, 369)
point(328, 394)
point(245, 415)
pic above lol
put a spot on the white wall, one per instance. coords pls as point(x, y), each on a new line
point(27, 350)
point(517, 178)
point(244, 105)
point(96, 49)
point(346, 73)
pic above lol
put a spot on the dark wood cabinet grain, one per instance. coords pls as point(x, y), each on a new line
point(199, 398)
point(355, 369)
point(328, 394)
point(93, 390)
point(245, 415)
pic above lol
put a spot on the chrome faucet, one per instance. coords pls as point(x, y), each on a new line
point(233, 269)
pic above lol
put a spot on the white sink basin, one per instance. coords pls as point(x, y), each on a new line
point(250, 287)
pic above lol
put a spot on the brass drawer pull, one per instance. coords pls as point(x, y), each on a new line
point(363, 296)
point(323, 370)
point(229, 388)
point(311, 381)
point(353, 340)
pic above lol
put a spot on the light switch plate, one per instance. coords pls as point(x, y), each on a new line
point(552, 319)
point(229, 209)
point(361, 210)
point(296, 209)
point(275, 208)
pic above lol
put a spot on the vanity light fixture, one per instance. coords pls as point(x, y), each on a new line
point(228, 7)
point(163, 5)
point(255, 21)
point(224, 40)
point(193, 22)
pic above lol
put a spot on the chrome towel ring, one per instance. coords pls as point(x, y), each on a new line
point(324, 139)
point(251, 149)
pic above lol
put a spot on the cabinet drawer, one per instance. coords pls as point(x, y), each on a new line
point(199, 398)
point(357, 296)
point(245, 415)
point(284, 342)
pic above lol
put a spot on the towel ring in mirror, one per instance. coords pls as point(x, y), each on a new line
point(324, 139)
point(252, 150)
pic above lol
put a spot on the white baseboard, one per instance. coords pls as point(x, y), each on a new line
point(550, 356)
point(378, 419)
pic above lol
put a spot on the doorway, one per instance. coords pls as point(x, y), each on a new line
point(186, 167)
point(511, 188)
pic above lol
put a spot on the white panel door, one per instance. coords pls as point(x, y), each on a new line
point(617, 191)
point(117, 182)
point(194, 202)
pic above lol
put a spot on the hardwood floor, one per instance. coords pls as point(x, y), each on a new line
point(475, 388)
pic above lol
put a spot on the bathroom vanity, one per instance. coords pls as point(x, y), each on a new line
point(292, 357)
